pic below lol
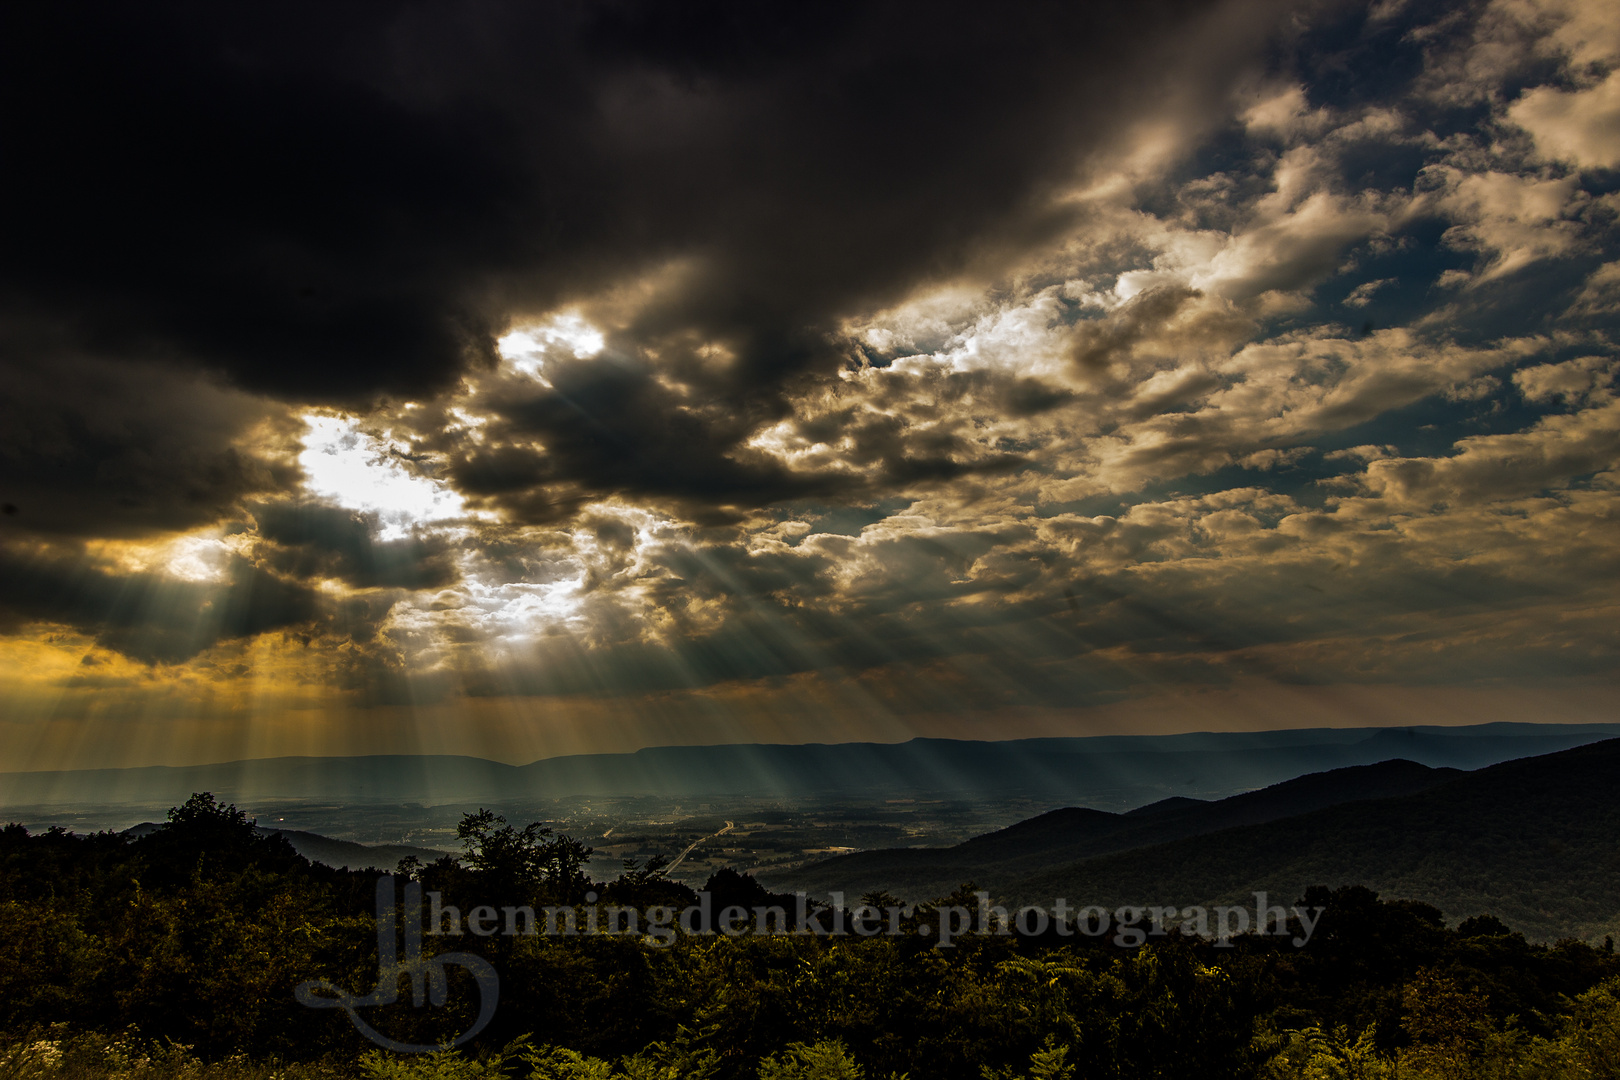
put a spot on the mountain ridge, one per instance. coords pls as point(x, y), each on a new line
point(1530, 841)
point(1065, 835)
point(1118, 771)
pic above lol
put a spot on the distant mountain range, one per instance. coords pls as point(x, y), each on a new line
point(1531, 841)
point(1103, 771)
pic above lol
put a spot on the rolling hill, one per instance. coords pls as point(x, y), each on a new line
point(1064, 836)
point(1531, 841)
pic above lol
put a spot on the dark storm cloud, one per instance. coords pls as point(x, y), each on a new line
point(333, 202)
point(105, 449)
point(608, 427)
point(310, 540)
point(148, 616)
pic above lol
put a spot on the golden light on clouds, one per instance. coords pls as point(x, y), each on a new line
point(1083, 408)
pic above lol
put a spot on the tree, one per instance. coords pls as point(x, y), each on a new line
point(1593, 1030)
point(518, 861)
point(203, 834)
point(1314, 1054)
point(204, 822)
point(563, 861)
point(509, 856)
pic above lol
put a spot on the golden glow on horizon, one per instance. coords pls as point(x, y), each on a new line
point(186, 730)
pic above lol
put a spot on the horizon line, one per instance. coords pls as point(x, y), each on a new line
point(1157, 736)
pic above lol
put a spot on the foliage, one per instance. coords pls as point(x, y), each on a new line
point(1591, 1031)
point(442, 1064)
point(517, 862)
point(1313, 1054)
point(1450, 1028)
point(1453, 1037)
point(198, 932)
point(1047, 1063)
point(128, 1057)
point(824, 1060)
point(561, 1063)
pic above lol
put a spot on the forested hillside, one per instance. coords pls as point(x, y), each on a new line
point(998, 859)
point(178, 954)
point(1530, 841)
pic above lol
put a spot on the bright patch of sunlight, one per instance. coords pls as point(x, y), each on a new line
point(363, 472)
point(204, 556)
point(198, 558)
point(526, 349)
point(521, 609)
point(492, 614)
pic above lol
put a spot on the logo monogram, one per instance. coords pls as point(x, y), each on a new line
point(427, 974)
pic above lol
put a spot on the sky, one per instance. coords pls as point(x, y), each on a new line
point(519, 379)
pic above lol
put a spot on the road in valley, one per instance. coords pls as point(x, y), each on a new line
point(670, 868)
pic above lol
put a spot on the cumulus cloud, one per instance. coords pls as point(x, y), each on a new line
point(1582, 127)
point(308, 541)
point(668, 355)
point(1570, 381)
point(1551, 454)
point(1290, 248)
point(1287, 115)
point(1512, 221)
point(1478, 53)
point(1362, 294)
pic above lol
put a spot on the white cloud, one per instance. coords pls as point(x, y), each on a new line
point(1275, 459)
point(1285, 115)
point(1361, 453)
point(1581, 126)
point(1511, 220)
point(526, 347)
point(1512, 39)
point(1290, 248)
point(1362, 294)
point(1600, 295)
point(1585, 32)
point(1569, 381)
